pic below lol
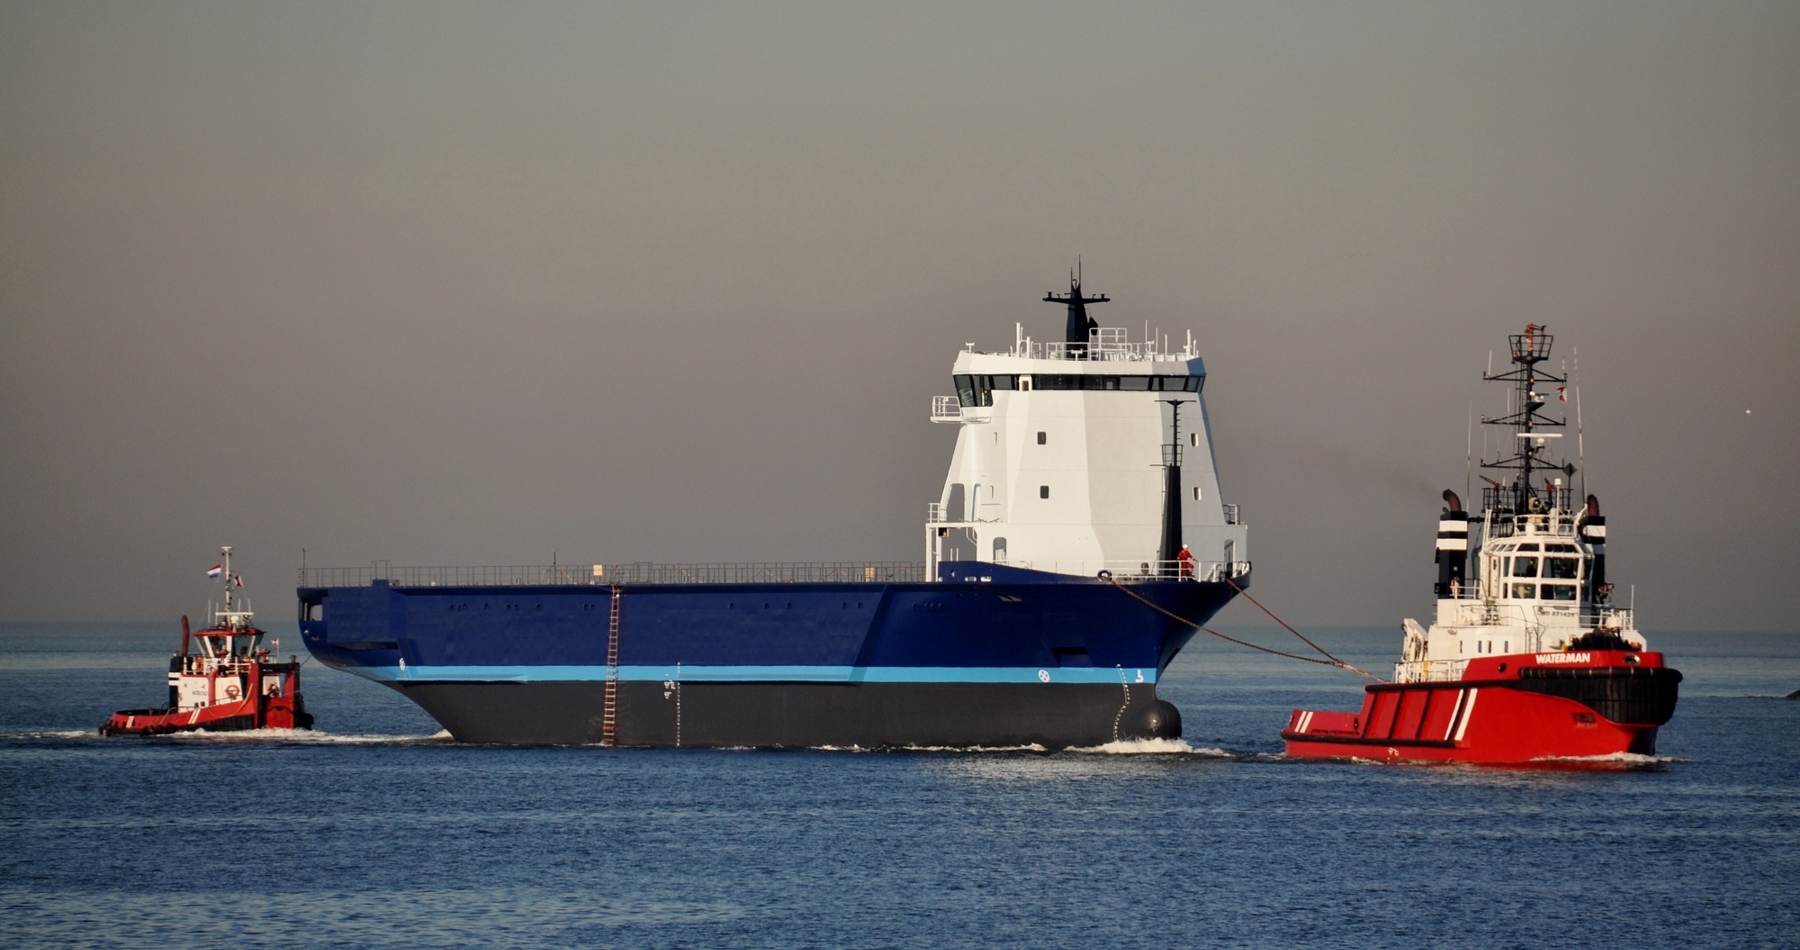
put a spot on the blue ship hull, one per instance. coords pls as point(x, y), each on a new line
point(1017, 658)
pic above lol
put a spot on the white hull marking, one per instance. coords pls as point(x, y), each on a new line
point(1468, 714)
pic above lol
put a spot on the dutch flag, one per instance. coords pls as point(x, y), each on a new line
point(215, 571)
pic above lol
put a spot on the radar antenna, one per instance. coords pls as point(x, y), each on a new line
point(1080, 326)
point(1520, 494)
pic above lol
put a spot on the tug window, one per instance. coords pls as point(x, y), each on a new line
point(1525, 591)
point(1559, 592)
point(1524, 567)
point(1528, 547)
point(1564, 568)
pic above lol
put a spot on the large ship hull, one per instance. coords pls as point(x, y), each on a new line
point(1020, 658)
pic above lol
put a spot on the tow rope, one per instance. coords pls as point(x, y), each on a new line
point(1328, 661)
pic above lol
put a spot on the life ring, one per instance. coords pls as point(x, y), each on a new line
point(231, 692)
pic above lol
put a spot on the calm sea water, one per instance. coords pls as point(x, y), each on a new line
point(375, 833)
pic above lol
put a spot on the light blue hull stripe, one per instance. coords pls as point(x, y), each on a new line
point(753, 674)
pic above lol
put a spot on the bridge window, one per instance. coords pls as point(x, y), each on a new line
point(1524, 567)
point(1559, 592)
point(1528, 547)
point(1563, 568)
point(974, 390)
point(1167, 384)
point(1525, 591)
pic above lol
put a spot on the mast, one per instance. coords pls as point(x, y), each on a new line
point(226, 551)
point(1520, 493)
point(1080, 326)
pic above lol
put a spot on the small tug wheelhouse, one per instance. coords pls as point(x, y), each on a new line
point(223, 679)
point(1529, 657)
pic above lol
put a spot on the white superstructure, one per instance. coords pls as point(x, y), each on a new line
point(1065, 454)
point(1534, 591)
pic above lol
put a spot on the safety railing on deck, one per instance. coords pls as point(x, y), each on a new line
point(1429, 671)
point(1123, 571)
point(640, 572)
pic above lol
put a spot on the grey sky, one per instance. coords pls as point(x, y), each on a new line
point(473, 284)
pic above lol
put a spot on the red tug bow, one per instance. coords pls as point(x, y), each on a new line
point(223, 679)
point(1529, 659)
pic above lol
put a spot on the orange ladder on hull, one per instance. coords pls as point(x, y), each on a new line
point(609, 722)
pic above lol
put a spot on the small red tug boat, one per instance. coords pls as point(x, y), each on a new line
point(1529, 659)
point(223, 679)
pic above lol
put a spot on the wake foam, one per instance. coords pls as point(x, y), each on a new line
point(1151, 747)
point(1121, 747)
point(965, 749)
point(1629, 759)
point(53, 734)
point(304, 737)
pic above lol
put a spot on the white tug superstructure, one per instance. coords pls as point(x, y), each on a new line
point(1538, 587)
point(1093, 453)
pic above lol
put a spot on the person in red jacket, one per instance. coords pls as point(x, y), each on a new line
point(1185, 562)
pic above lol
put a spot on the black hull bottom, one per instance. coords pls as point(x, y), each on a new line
point(801, 715)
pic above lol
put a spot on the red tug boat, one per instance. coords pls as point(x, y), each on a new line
point(223, 679)
point(1530, 659)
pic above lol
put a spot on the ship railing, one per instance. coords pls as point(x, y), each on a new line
point(1130, 571)
point(946, 409)
point(1429, 671)
point(1616, 618)
point(1475, 612)
point(1098, 349)
point(814, 572)
point(638, 572)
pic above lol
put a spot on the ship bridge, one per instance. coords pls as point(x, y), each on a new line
point(1089, 453)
